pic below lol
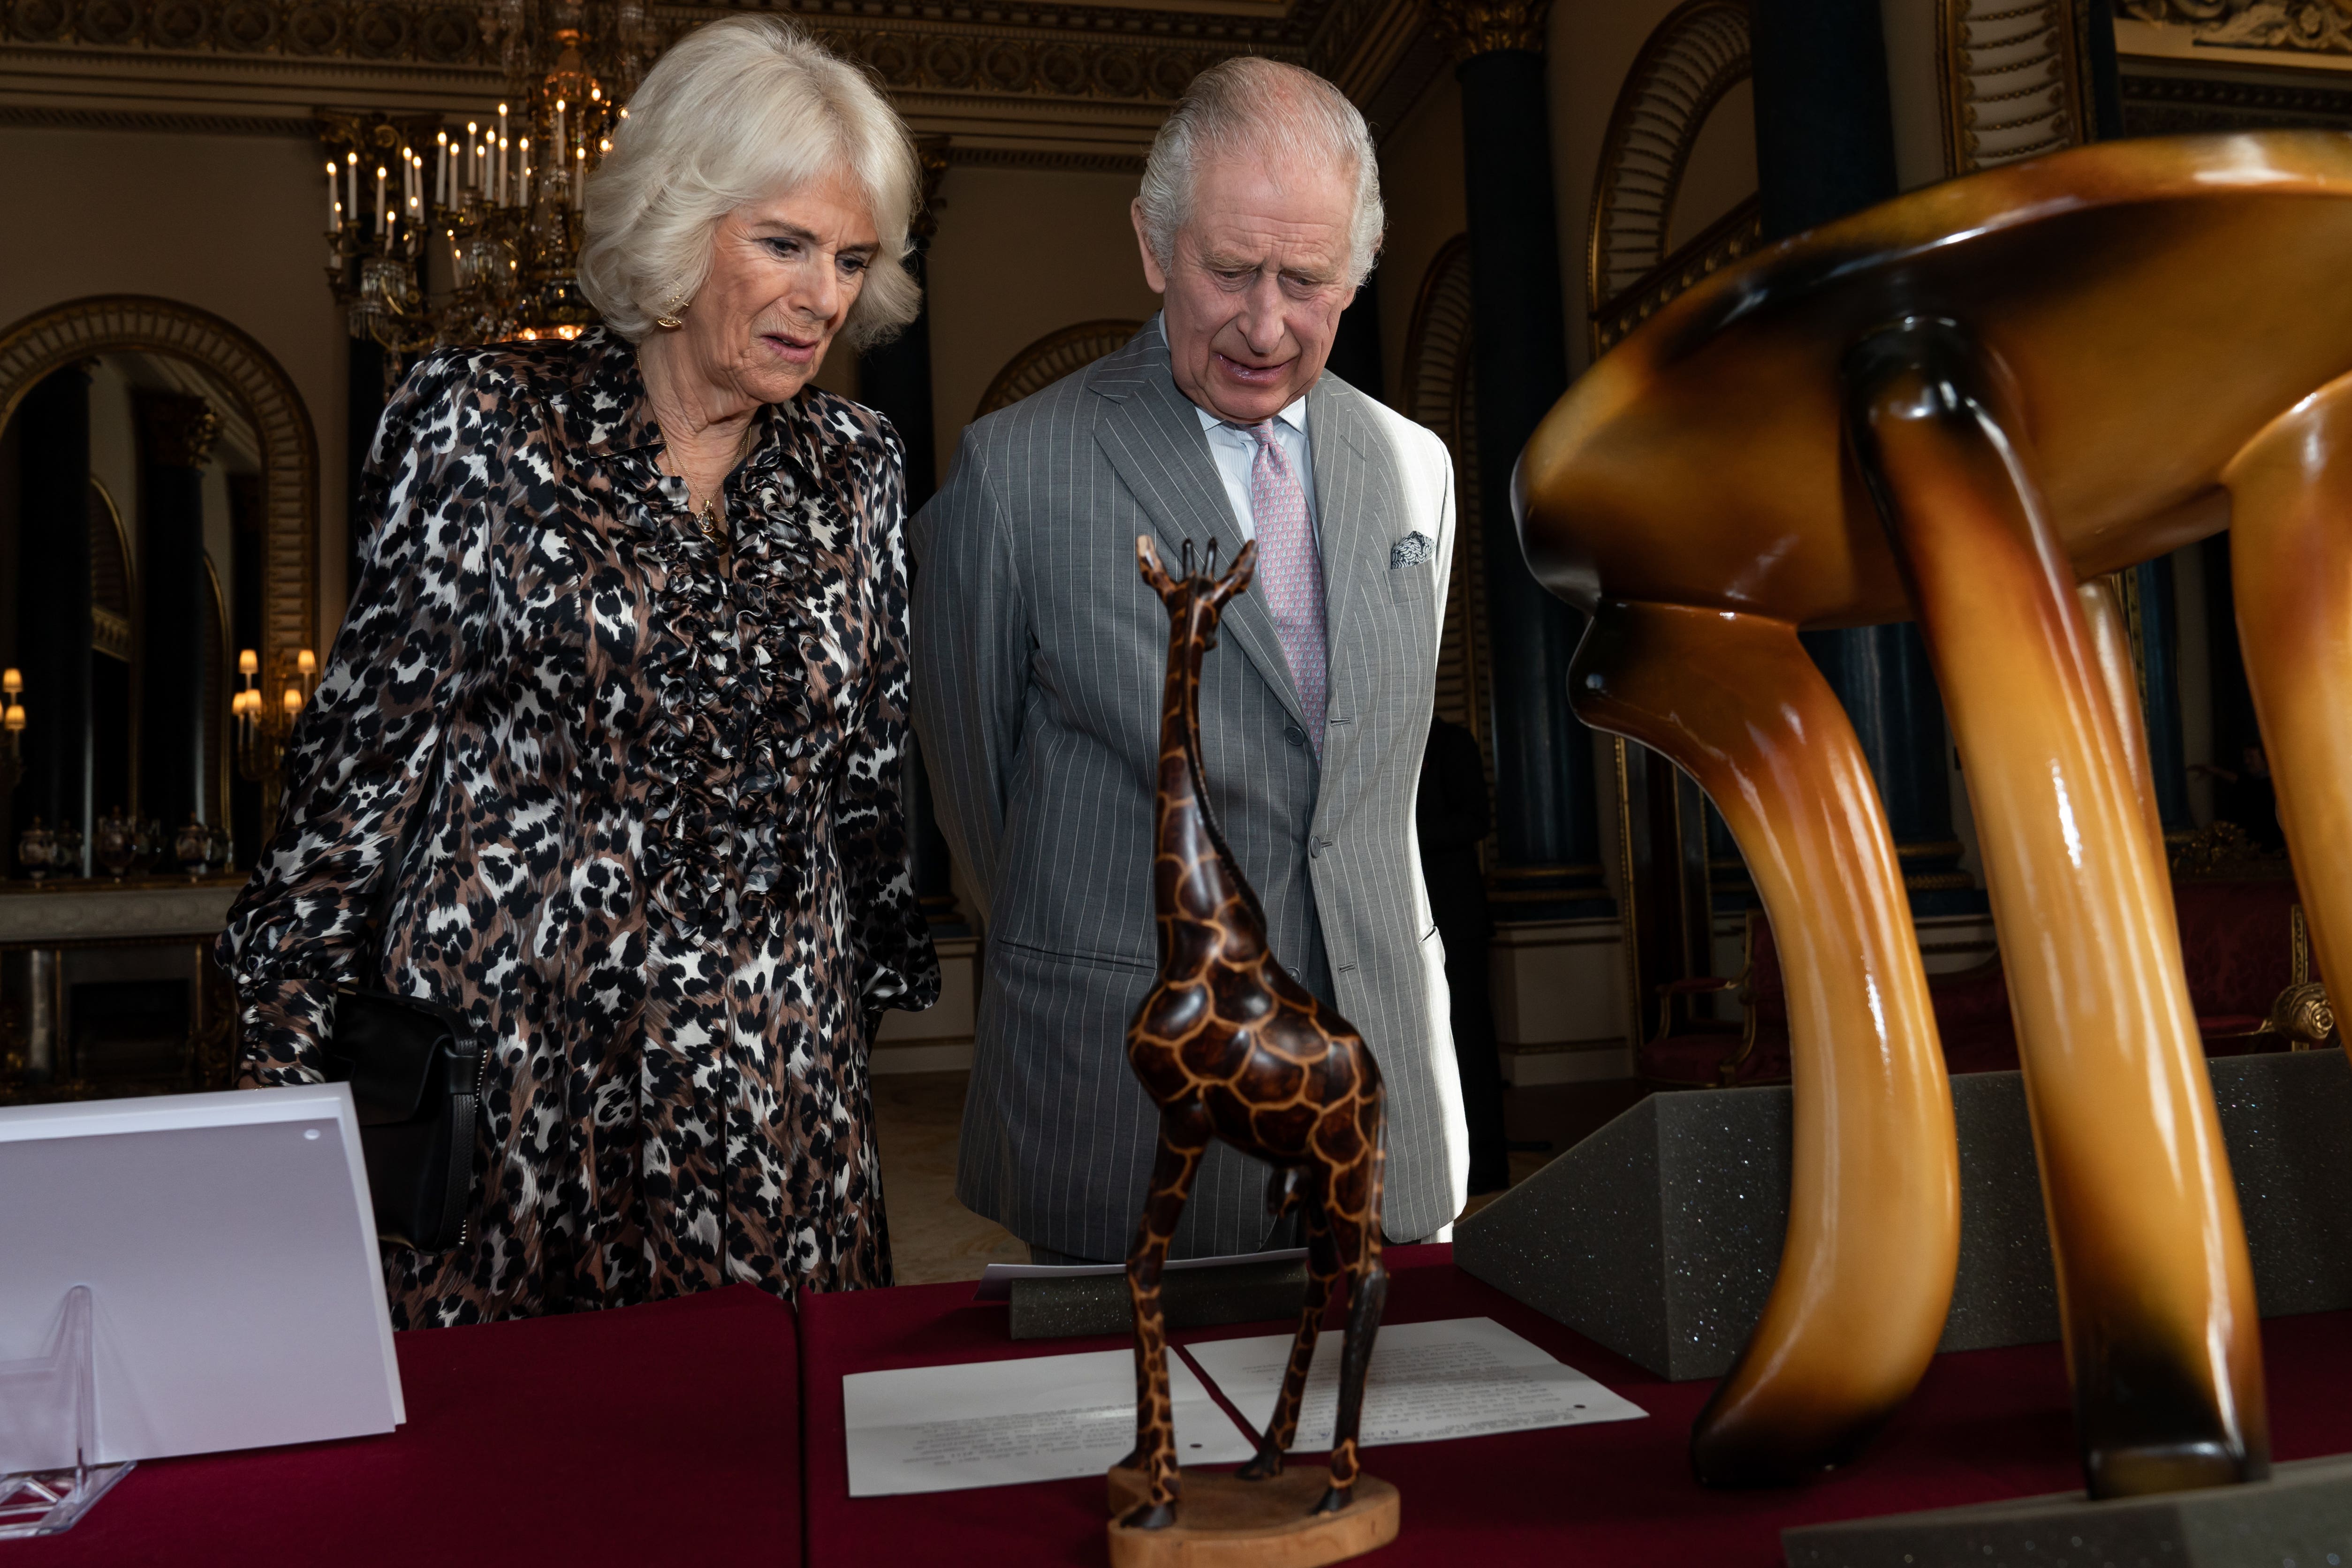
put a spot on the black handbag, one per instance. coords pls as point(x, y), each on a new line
point(416, 1080)
point(417, 1076)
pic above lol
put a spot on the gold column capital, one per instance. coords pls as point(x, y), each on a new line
point(175, 431)
point(931, 154)
point(1475, 28)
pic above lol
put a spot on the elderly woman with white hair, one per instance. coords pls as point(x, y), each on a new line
point(611, 739)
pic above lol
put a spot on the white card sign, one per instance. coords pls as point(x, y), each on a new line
point(230, 1247)
point(995, 1422)
point(1459, 1377)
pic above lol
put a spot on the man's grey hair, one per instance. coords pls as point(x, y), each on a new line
point(1284, 115)
point(736, 112)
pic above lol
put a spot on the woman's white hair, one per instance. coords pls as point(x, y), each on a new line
point(1248, 105)
point(735, 112)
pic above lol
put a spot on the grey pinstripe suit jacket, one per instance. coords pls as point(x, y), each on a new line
point(1039, 654)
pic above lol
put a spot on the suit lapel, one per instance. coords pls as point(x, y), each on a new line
point(1153, 439)
point(1358, 510)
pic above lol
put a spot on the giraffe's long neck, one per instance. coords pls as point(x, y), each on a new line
point(1209, 903)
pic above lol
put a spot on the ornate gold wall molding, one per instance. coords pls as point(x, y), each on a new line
point(962, 157)
point(1699, 53)
point(2294, 27)
point(115, 323)
point(2015, 78)
point(1476, 27)
point(48, 118)
point(2165, 104)
point(1051, 357)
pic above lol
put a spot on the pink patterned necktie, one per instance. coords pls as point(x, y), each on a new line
point(1291, 571)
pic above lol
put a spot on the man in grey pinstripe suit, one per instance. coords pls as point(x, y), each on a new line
point(1039, 654)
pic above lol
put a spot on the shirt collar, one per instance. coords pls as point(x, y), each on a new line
point(1293, 416)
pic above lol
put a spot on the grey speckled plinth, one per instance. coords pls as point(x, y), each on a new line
point(2301, 1517)
point(1659, 1235)
point(1191, 1297)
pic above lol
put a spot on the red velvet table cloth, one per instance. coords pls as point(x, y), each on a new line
point(1984, 1425)
point(652, 1435)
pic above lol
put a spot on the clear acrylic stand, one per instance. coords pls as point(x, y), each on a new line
point(42, 1401)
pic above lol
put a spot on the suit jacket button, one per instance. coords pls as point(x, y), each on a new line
point(1293, 734)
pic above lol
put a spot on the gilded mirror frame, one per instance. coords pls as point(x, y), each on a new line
point(51, 339)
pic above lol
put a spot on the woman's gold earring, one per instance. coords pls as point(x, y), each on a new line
point(673, 318)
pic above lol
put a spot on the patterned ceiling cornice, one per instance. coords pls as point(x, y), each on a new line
point(1108, 53)
point(1065, 85)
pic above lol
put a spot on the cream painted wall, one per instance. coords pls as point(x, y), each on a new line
point(229, 224)
point(1420, 181)
point(1022, 252)
point(1592, 46)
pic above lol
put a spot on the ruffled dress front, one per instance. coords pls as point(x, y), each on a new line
point(656, 850)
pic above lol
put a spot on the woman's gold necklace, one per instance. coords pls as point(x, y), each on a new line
point(713, 510)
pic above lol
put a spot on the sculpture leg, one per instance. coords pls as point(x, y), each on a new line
point(1358, 1244)
point(2291, 563)
point(2110, 635)
point(1322, 1273)
point(2156, 1290)
point(1183, 1137)
point(1873, 1195)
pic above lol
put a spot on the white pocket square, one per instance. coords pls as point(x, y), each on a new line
point(1410, 551)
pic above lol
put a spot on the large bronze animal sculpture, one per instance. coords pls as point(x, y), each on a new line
point(1230, 1046)
point(1963, 406)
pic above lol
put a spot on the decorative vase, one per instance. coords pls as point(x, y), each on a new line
point(65, 853)
point(146, 843)
point(188, 847)
point(112, 844)
point(34, 848)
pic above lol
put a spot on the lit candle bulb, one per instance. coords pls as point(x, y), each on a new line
point(506, 172)
point(248, 663)
point(383, 213)
point(12, 683)
point(525, 196)
point(578, 176)
point(293, 700)
point(335, 201)
point(466, 175)
point(352, 185)
point(501, 197)
point(15, 721)
point(559, 124)
point(441, 168)
point(307, 662)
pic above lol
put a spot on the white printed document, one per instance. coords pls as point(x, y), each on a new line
point(1461, 1377)
point(996, 1423)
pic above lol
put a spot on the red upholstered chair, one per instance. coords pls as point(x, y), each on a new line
point(1972, 1016)
point(2243, 946)
point(2242, 943)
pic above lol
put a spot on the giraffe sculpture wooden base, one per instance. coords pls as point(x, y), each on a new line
point(1231, 1047)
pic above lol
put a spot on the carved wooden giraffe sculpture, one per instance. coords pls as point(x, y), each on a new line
point(1963, 406)
point(1231, 1047)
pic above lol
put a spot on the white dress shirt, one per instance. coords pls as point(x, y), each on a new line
point(1234, 449)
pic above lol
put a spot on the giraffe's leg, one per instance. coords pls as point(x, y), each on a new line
point(1322, 1273)
point(2291, 565)
point(1183, 1137)
point(1358, 1239)
point(1873, 1242)
point(2156, 1291)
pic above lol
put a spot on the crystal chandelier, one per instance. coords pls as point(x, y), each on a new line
point(491, 202)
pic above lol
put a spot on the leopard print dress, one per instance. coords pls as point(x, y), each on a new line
point(661, 863)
